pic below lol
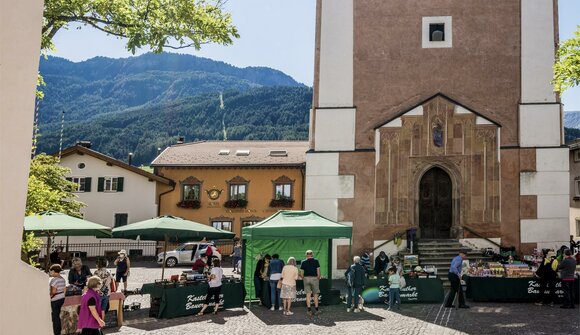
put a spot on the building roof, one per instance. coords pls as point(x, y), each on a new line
point(575, 144)
point(234, 153)
point(81, 150)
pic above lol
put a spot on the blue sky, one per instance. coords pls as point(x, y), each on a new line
point(274, 33)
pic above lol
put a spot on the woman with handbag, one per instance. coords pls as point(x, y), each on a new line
point(287, 284)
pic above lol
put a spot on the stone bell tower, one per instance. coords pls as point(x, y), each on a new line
point(438, 115)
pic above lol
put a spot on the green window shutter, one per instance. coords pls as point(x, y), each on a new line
point(120, 184)
point(88, 181)
point(101, 184)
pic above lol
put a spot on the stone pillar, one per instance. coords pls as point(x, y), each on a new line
point(541, 129)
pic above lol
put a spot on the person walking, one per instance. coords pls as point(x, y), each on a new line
point(57, 286)
point(107, 283)
point(215, 287)
point(123, 265)
point(55, 257)
point(288, 291)
point(381, 263)
point(394, 288)
point(275, 273)
point(567, 269)
point(90, 321)
point(355, 281)
point(237, 256)
point(310, 273)
point(548, 275)
point(454, 276)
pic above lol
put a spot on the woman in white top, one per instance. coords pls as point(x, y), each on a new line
point(215, 287)
point(289, 277)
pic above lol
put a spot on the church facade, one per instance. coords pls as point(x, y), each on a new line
point(438, 115)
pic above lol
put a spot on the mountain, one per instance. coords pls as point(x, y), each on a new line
point(571, 126)
point(139, 104)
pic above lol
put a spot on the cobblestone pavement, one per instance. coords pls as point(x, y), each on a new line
point(482, 318)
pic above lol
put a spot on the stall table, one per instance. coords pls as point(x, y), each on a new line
point(69, 312)
point(327, 296)
point(418, 290)
point(502, 289)
point(170, 301)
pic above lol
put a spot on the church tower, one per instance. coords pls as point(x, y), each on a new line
point(438, 115)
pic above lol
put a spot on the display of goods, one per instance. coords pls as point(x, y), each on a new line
point(518, 271)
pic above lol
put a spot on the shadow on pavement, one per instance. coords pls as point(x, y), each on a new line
point(328, 317)
point(141, 320)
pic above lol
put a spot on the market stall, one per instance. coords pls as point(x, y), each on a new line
point(170, 300)
point(327, 295)
point(290, 233)
point(417, 290)
point(493, 281)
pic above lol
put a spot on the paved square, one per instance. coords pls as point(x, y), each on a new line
point(482, 318)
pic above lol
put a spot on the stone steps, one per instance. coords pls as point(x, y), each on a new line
point(440, 252)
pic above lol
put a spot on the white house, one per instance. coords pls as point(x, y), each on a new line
point(114, 192)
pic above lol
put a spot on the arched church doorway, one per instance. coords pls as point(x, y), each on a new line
point(435, 204)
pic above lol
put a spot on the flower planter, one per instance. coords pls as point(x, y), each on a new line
point(193, 204)
point(236, 204)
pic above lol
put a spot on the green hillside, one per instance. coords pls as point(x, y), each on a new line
point(143, 103)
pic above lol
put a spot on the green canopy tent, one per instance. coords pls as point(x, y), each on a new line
point(291, 233)
point(51, 223)
point(170, 228)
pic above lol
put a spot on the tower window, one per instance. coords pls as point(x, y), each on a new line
point(436, 32)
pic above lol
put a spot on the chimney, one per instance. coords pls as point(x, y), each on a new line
point(130, 158)
point(180, 140)
point(86, 144)
point(158, 151)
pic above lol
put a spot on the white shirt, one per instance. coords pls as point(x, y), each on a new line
point(218, 273)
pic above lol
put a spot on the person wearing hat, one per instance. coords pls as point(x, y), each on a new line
point(123, 265)
point(548, 275)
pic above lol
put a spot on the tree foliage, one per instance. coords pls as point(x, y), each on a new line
point(48, 189)
point(567, 67)
point(155, 23)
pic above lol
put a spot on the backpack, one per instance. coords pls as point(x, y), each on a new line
point(350, 277)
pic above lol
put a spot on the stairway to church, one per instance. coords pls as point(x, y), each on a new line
point(440, 252)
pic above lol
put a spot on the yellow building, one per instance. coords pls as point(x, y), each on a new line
point(231, 184)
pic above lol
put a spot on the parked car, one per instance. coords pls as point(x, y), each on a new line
point(186, 253)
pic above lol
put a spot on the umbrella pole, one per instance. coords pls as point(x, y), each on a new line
point(47, 253)
point(164, 256)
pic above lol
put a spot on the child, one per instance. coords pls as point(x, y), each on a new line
point(57, 285)
point(394, 288)
point(123, 265)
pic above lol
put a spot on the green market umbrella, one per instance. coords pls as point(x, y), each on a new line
point(170, 228)
point(52, 223)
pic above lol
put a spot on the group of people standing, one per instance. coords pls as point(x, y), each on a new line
point(547, 273)
point(281, 279)
point(95, 289)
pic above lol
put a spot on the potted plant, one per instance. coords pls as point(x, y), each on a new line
point(236, 203)
point(282, 202)
point(193, 204)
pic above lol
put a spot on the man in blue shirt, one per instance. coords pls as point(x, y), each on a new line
point(455, 279)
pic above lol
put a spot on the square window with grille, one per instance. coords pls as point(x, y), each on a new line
point(223, 225)
point(238, 191)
